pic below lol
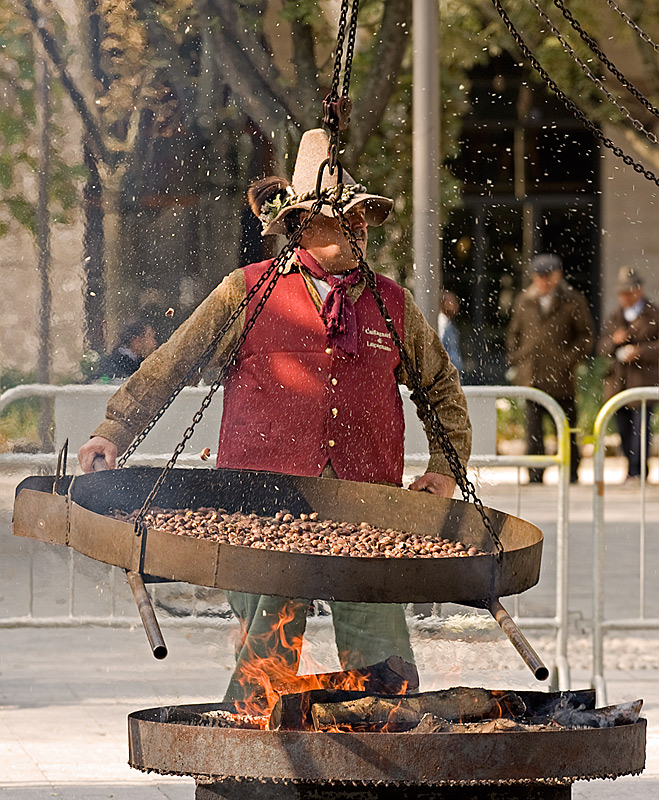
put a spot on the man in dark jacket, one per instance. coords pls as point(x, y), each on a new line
point(550, 333)
point(630, 340)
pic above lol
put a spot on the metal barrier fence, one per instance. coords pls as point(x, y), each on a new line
point(79, 408)
point(601, 623)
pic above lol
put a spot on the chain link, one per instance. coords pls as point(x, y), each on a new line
point(604, 59)
point(338, 57)
point(420, 394)
point(633, 25)
point(588, 72)
point(571, 107)
point(350, 49)
point(336, 111)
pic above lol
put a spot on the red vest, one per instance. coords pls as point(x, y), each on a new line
point(293, 402)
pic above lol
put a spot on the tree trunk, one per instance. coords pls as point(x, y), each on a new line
point(43, 246)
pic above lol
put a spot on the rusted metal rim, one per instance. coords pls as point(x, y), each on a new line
point(438, 758)
point(79, 522)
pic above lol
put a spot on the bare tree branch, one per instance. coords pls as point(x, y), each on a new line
point(306, 72)
point(53, 52)
point(392, 42)
point(262, 100)
point(166, 49)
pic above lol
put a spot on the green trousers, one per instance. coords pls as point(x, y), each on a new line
point(272, 628)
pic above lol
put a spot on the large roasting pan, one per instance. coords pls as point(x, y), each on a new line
point(73, 515)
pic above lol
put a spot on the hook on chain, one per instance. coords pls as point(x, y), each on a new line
point(319, 180)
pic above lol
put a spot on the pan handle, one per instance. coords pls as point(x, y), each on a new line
point(147, 614)
point(140, 594)
point(99, 464)
point(517, 639)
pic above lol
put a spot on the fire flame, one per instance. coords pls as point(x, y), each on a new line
point(264, 679)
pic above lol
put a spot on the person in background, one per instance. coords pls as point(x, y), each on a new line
point(449, 305)
point(550, 333)
point(630, 341)
point(137, 340)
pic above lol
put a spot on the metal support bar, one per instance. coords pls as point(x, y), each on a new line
point(518, 640)
point(147, 614)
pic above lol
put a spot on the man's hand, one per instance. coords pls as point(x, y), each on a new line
point(442, 485)
point(619, 336)
point(98, 446)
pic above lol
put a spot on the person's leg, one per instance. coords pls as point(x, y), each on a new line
point(630, 440)
point(367, 633)
point(648, 422)
point(636, 416)
point(535, 445)
point(270, 642)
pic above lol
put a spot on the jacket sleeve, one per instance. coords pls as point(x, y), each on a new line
point(440, 378)
point(583, 330)
point(513, 335)
point(136, 402)
point(648, 341)
point(605, 344)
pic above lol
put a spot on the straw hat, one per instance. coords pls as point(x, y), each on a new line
point(274, 206)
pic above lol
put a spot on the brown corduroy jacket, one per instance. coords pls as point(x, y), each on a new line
point(544, 349)
point(642, 332)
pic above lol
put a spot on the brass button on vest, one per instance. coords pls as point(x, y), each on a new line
point(331, 443)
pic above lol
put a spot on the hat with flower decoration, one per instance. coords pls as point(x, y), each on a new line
point(279, 198)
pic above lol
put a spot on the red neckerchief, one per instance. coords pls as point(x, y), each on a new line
point(337, 312)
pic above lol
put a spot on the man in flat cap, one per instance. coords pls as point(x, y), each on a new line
point(314, 392)
point(550, 333)
point(630, 342)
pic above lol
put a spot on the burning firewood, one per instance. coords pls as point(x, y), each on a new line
point(565, 716)
point(212, 718)
point(394, 676)
point(622, 714)
point(432, 724)
point(405, 712)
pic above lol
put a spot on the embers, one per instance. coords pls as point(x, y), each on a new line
point(212, 718)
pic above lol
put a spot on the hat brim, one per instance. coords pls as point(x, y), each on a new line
point(377, 209)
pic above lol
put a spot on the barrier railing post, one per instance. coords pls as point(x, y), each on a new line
point(600, 624)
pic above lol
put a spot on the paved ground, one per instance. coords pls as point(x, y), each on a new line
point(65, 692)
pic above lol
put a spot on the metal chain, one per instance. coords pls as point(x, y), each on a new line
point(336, 110)
point(606, 61)
point(633, 25)
point(338, 57)
point(200, 364)
point(350, 49)
point(587, 71)
point(571, 107)
point(275, 270)
point(420, 395)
